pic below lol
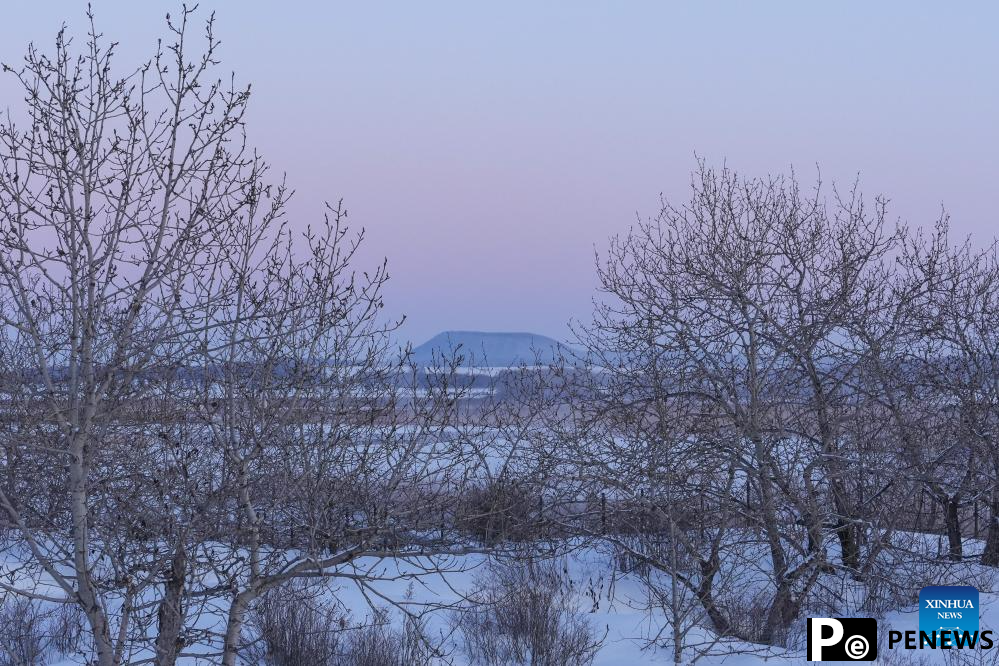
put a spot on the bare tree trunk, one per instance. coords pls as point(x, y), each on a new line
point(783, 611)
point(171, 612)
point(990, 555)
point(705, 595)
point(845, 531)
point(81, 559)
point(234, 626)
point(676, 605)
point(952, 518)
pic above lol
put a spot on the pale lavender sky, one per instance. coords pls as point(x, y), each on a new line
point(489, 149)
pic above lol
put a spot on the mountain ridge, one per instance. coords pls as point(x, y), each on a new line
point(491, 348)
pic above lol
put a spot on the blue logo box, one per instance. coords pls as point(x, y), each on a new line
point(952, 608)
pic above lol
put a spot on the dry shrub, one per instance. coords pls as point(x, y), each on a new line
point(379, 644)
point(526, 615)
point(33, 634)
point(498, 511)
point(296, 625)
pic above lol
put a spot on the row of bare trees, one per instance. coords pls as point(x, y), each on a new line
point(199, 404)
point(786, 387)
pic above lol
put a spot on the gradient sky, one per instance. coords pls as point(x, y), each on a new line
point(488, 150)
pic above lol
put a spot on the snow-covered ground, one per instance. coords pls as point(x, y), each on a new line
point(617, 606)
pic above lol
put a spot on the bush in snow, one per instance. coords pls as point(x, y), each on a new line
point(526, 614)
point(296, 625)
point(32, 634)
point(380, 644)
point(499, 510)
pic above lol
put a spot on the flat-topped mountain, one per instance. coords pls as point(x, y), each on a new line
point(489, 349)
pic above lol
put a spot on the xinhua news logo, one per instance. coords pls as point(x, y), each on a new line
point(842, 639)
point(948, 610)
point(948, 620)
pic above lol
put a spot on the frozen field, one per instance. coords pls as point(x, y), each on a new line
point(616, 606)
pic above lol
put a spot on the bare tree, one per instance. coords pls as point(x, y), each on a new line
point(205, 405)
point(960, 314)
point(728, 324)
point(110, 192)
point(335, 460)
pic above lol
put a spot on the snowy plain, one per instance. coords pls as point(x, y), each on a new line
point(615, 604)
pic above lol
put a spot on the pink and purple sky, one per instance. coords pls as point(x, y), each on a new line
point(489, 149)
